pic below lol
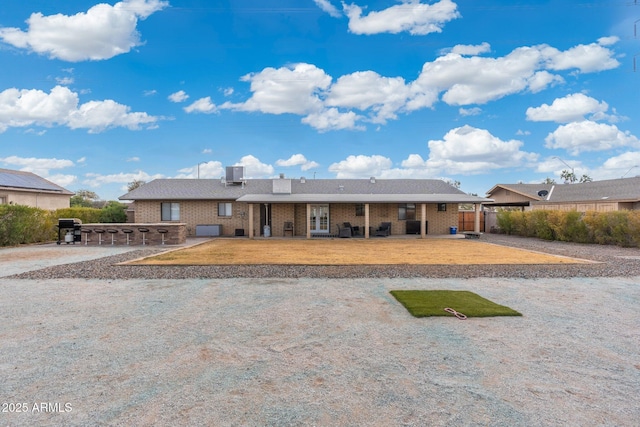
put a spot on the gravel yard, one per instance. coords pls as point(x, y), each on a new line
point(90, 343)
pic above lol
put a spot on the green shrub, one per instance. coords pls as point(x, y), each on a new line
point(113, 212)
point(505, 222)
point(620, 228)
point(24, 224)
point(86, 215)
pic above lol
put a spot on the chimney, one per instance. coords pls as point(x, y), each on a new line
point(372, 180)
point(303, 180)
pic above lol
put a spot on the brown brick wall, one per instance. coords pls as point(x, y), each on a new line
point(193, 213)
point(176, 234)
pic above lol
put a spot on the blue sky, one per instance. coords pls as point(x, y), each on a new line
point(96, 95)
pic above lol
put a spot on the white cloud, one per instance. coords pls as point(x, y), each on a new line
point(210, 169)
point(469, 150)
point(202, 105)
point(96, 180)
point(179, 96)
point(584, 136)
point(227, 91)
point(207, 151)
point(368, 90)
point(64, 81)
point(32, 163)
point(361, 166)
point(297, 160)
point(470, 111)
point(410, 16)
point(102, 32)
point(20, 108)
point(332, 119)
point(367, 97)
point(42, 167)
point(254, 168)
point(133, 159)
point(98, 116)
point(571, 108)
point(586, 58)
point(61, 179)
point(626, 164)
point(151, 92)
point(477, 80)
point(294, 89)
point(462, 49)
point(327, 7)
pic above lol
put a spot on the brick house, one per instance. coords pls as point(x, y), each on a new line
point(310, 207)
point(29, 189)
point(600, 196)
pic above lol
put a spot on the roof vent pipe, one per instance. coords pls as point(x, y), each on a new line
point(281, 176)
point(303, 180)
point(372, 180)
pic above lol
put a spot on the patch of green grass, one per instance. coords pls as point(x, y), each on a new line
point(433, 303)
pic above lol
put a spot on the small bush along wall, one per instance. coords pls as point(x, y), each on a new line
point(620, 228)
point(24, 224)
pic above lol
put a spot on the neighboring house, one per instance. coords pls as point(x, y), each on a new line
point(237, 206)
point(26, 188)
point(600, 196)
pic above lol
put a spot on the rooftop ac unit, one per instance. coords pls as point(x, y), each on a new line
point(235, 174)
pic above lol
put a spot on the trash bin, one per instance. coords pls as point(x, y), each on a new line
point(267, 231)
point(453, 230)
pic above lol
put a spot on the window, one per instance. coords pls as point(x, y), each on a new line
point(224, 209)
point(442, 207)
point(359, 209)
point(170, 211)
point(407, 211)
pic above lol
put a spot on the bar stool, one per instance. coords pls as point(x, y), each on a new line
point(86, 232)
point(163, 231)
point(113, 233)
point(99, 233)
point(144, 232)
point(127, 232)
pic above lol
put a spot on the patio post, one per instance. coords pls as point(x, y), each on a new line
point(423, 219)
point(476, 224)
point(251, 220)
point(366, 220)
point(308, 220)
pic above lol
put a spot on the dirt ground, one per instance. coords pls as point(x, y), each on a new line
point(310, 352)
point(304, 352)
point(350, 252)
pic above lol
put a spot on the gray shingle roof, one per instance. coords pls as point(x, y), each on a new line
point(12, 179)
point(621, 189)
point(310, 190)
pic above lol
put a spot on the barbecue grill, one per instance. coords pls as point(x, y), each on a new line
point(71, 228)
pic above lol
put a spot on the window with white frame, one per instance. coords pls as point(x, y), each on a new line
point(170, 211)
point(225, 209)
point(442, 207)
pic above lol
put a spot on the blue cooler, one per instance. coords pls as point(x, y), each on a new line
point(453, 230)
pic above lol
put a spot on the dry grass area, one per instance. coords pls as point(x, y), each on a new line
point(350, 252)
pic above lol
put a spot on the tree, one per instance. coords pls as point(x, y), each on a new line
point(549, 181)
point(136, 183)
point(84, 199)
point(571, 177)
point(114, 212)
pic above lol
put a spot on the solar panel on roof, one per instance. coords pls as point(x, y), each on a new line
point(22, 180)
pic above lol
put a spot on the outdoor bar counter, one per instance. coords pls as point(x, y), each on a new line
point(134, 234)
